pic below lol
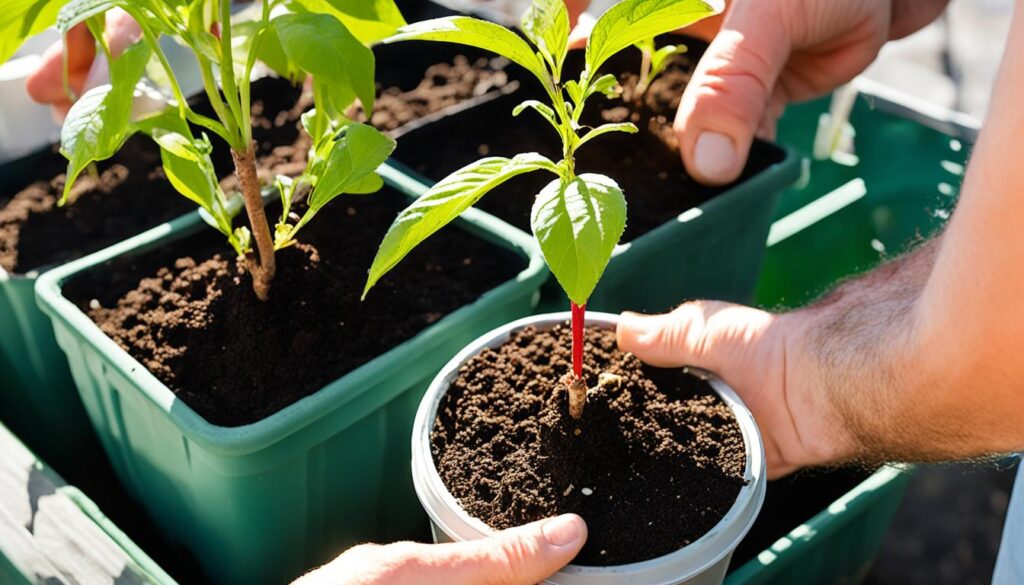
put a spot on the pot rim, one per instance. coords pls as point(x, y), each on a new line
point(711, 548)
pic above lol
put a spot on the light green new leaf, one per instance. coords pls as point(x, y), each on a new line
point(23, 19)
point(546, 23)
point(631, 21)
point(98, 123)
point(323, 47)
point(577, 225)
point(473, 32)
point(444, 202)
point(270, 51)
point(356, 154)
point(369, 20)
point(626, 127)
point(543, 109)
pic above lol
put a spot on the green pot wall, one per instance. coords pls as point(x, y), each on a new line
point(263, 502)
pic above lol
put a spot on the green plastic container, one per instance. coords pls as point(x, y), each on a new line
point(837, 545)
point(264, 502)
point(38, 400)
point(143, 568)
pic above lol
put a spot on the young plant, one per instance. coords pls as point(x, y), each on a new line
point(653, 63)
point(325, 39)
point(577, 218)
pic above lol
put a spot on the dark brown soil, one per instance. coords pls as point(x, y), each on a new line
point(188, 314)
point(418, 79)
point(646, 165)
point(651, 466)
point(131, 193)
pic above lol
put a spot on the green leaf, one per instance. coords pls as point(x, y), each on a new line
point(77, 11)
point(98, 123)
point(368, 184)
point(626, 127)
point(543, 109)
point(632, 21)
point(473, 32)
point(356, 154)
point(546, 24)
point(443, 203)
point(577, 224)
point(661, 58)
point(324, 48)
point(369, 20)
point(22, 19)
point(270, 51)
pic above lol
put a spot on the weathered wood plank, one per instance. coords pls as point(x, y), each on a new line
point(45, 535)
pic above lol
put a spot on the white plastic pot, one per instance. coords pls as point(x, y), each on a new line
point(703, 562)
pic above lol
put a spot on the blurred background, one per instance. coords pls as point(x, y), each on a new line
point(950, 523)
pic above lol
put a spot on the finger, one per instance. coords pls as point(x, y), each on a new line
point(519, 556)
point(575, 8)
point(581, 31)
point(121, 32)
point(46, 84)
point(669, 340)
point(726, 100)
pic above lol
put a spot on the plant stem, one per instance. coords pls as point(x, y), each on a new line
point(578, 317)
point(645, 75)
point(263, 271)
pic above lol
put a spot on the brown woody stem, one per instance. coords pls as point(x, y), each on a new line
point(263, 271)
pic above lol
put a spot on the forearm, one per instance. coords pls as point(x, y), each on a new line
point(924, 358)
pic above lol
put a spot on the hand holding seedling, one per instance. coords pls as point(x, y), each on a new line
point(577, 218)
point(918, 360)
point(291, 37)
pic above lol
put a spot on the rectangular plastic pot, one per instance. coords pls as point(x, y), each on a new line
point(261, 503)
point(838, 545)
point(714, 250)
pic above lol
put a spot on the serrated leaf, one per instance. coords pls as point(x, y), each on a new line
point(473, 32)
point(369, 20)
point(98, 123)
point(631, 21)
point(77, 11)
point(608, 85)
point(23, 19)
point(443, 203)
point(577, 225)
point(546, 24)
point(626, 127)
point(324, 48)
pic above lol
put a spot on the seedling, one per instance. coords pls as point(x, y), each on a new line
point(653, 63)
point(577, 218)
point(325, 39)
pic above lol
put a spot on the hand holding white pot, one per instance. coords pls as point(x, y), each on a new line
point(519, 556)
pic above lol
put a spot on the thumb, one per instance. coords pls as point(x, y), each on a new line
point(518, 556)
point(669, 340)
point(731, 92)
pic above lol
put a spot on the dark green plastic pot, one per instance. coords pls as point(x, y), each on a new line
point(261, 503)
point(38, 401)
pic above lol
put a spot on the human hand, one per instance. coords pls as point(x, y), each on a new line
point(770, 53)
point(751, 351)
point(519, 556)
point(46, 84)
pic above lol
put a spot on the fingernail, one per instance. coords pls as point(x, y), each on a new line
point(714, 156)
point(563, 530)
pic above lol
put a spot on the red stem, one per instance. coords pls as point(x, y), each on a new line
point(578, 317)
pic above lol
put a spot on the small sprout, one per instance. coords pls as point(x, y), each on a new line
point(654, 62)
